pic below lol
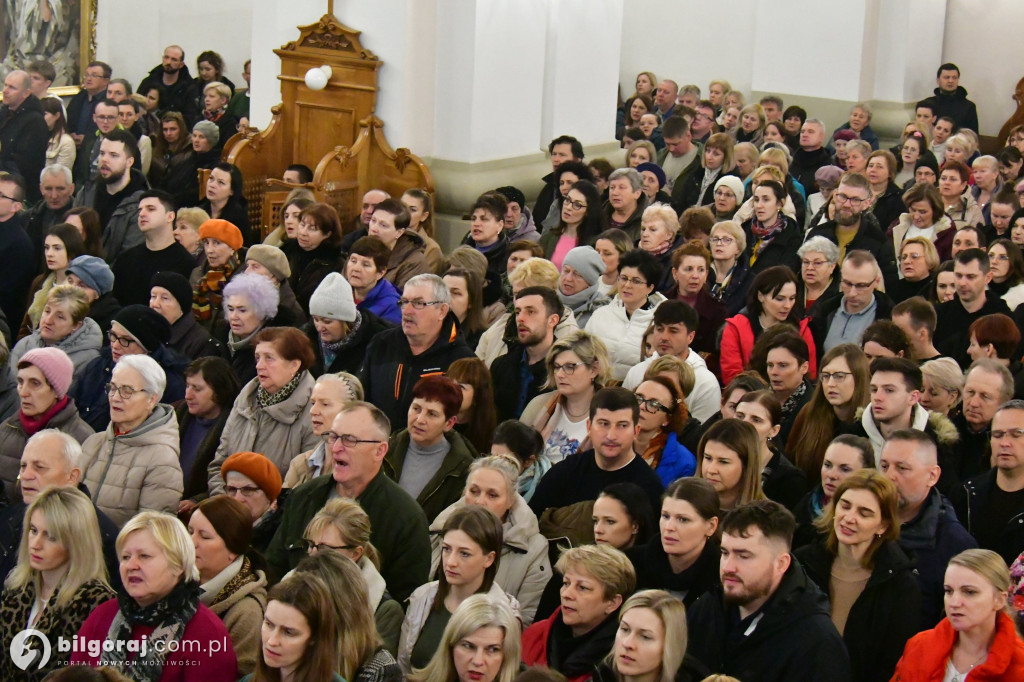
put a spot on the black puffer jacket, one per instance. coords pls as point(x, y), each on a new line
point(653, 571)
point(885, 615)
point(971, 502)
point(351, 355)
point(781, 250)
point(794, 640)
point(870, 237)
point(23, 139)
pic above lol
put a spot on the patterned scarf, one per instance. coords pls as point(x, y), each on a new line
point(169, 616)
point(210, 291)
point(792, 404)
point(330, 350)
point(265, 400)
point(765, 234)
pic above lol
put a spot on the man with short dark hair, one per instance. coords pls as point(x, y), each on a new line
point(1000, 211)
point(173, 76)
point(767, 621)
point(972, 274)
point(896, 385)
point(58, 191)
point(521, 373)
point(83, 104)
point(929, 527)
point(613, 425)
point(703, 124)
point(844, 317)
point(916, 317)
point(160, 252)
point(42, 74)
point(105, 116)
point(297, 174)
point(772, 106)
point(356, 446)
point(991, 504)
point(561, 149)
point(811, 155)
point(678, 159)
point(23, 132)
point(115, 193)
point(675, 325)
point(119, 89)
point(951, 98)
point(371, 199)
point(17, 268)
point(426, 344)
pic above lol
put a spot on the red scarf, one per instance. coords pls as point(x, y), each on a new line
point(35, 424)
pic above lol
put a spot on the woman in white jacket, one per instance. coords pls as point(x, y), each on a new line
point(470, 555)
point(524, 568)
point(621, 324)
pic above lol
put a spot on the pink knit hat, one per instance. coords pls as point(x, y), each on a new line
point(55, 365)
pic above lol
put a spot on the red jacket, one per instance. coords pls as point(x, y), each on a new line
point(924, 658)
point(215, 663)
point(738, 342)
point(535, 644)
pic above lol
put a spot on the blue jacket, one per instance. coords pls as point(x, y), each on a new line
point(382, 301)
point(676, 461)
point(91, 398)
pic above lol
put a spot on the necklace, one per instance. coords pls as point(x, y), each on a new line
point(565, 408)
point(961, 676)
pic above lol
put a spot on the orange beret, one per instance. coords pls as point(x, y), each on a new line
point(261, 470)
point(221, 230)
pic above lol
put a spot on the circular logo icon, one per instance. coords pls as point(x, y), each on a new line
point(23, 655)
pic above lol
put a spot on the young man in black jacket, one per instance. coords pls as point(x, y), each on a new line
point(522, 372)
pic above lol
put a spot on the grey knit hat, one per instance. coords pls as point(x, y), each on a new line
point(333, 299)
point(209, 130)
point(586, 261)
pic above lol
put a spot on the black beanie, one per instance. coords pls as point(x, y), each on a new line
point(145, 324)
point(175, 283)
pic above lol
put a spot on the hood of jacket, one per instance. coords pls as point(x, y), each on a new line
point(376, 587)
point(796, 598)
point(382, 292)
point(288, 411)
point(959, 93)
point(921, 532)
point(525, 229)
point(87, 337)
point(944, 429)
point(518, 528)
point(408, 243)
point(160, 428)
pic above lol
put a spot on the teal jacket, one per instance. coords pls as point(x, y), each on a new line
point(398, 531)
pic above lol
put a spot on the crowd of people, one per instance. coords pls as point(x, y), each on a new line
point(750, 407)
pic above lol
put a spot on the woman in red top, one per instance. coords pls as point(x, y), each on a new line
point(976, 641)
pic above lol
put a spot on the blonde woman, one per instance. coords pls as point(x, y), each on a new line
point(59, 579)
point(186, 231)
point(343, 527)
point(331, 393)
point(479, 644)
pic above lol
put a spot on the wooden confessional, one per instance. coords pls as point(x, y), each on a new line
point(333, 131)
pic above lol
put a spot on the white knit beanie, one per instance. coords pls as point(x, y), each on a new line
point(333, 299)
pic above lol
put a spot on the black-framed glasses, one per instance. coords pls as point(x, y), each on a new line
point(578, 205)
point(652, 405)
point(321, 546)
point(123, 341)
point(347, 439)
point(98, 117)
point(126, 392)
point(722, 240)
point(859, 286)
point(635, 281)
point(844, 199)
point(417, 304)
point(9, 198)
point(246, 490)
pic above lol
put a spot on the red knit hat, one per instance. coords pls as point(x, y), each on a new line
point(221, 230)
point(261, 470)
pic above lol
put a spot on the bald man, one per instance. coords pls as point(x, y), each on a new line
point(23, 132)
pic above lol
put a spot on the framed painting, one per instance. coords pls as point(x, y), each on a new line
point(62, 32)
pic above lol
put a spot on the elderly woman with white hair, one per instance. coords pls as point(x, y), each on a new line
point(331, 393)
point(626, 201)
point(818, 258)
point(729, 276)
point(159, 602)
point(133, 464)
point(524, 569)
point(250, 301)
point(659, 236)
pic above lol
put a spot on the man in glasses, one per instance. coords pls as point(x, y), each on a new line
point(356, 446)
point(990, 504)
point(855, 226)
point(703, 124)
point(425, 344)
point(105, 116)
point(578, 480)
point(23, 133)
point(81, 107)
point(843, 318)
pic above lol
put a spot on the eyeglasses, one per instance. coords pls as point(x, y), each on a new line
point(911, 256)
point(126, 392)
point(723, 241)
point(859, 286)
point(845, 199)
point(247, 491)
point(1014, 434)
point(578, 205)
point(350, 441)
point(4, 196)
point(725, 194)
point(839, 377)
point(417, 304)
point(704, 116)
point(321, 546)
point(814, 263)
point(104, 118)
point(123, 341)
point(651, 405)
point(635, 281)
point(998, 256)
point(569, 367)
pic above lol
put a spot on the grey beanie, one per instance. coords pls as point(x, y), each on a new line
point(94, 273)
point(586, 261)
point(209, 130)
point(333, 299)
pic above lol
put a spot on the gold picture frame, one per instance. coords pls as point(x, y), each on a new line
point(73, 24)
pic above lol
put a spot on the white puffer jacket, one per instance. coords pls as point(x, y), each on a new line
point(622, 333)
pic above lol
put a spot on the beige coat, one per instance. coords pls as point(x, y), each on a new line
point(137, 470)
point(278, 432)
point(524, 569)
point(242, 612)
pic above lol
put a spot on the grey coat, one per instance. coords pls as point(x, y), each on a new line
point(82, 345)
